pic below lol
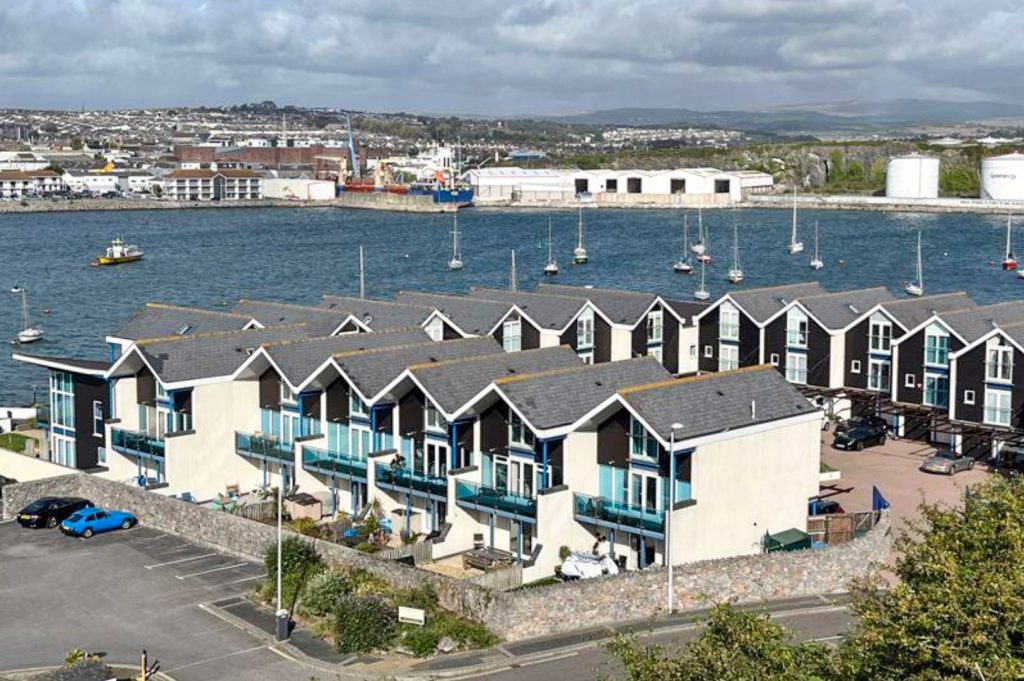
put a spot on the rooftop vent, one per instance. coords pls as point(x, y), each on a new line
point(367, 318)
point(184, 329)
point(753, 410)
point(994, 323)
point(782, 301)
point(853, 308)
point(598, 383)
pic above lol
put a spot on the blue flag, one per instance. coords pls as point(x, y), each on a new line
point(878, 502)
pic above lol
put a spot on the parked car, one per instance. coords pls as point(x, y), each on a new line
point(49, 511)
point(92, 520)
point(876, 421)
point(858, 437)
point(824, 507)
point(947, 462)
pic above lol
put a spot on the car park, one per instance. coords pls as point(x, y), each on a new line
point(861, 435)
point(947, 462)
point(50, 511)
point(92, 520)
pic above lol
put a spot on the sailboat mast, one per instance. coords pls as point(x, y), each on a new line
point(816, 240)
point(549, 239)
point(362, 275)
point(1009, 252)
point(513, 283)
point(700, 227)
point(580, 227)
point(920, 269)
point(686, 235)
point(792, 239)
point(24, 307)
point(735, 247)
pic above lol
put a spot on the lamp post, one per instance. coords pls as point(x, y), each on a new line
point(671, 504)
point(281, 614)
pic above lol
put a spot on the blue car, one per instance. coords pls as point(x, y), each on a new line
point(90, 521)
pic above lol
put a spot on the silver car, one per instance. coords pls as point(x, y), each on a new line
point(947, 462)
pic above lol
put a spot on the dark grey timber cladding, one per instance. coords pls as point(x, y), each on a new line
point(750, 342)
point(819, 346)
point(410, 413)
point(670, 346)
point(494, 428)
point(911, 355)
point(569, 337)
point(970, 375)
point(613, 440)
point(270, 390)
point(145, 387)
point(531, 336)
point(775, 342)
point(638, 338)
point(708, 336)
point(602, 340)
point(857, 350)
point(337, 401)
point(88, 389)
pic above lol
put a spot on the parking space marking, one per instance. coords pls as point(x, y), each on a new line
point(213, 659)
point(238, 581)
point(9, 520)
point(180, 560)
point(216, 569)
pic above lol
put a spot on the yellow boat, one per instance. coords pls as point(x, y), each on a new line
point(119, 253)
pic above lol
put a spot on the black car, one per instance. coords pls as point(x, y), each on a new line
point(875, 421)
point(858, 437)
point(50, 511)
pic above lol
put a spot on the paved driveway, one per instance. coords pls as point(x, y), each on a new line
point(121, 592)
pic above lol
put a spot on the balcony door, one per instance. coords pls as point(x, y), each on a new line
point(435, 459)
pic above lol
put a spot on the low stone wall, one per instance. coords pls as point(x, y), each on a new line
point(516, 615)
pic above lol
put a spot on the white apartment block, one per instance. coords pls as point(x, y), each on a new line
point(213, 185)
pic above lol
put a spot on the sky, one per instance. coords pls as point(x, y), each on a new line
point(507, 57)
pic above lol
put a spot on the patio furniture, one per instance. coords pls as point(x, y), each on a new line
point(486, 559)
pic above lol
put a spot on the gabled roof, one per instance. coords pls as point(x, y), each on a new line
point(973, 323)
point(1014, 333)
point(686, 310)
point(373, 370)
point(761, 303)
point(621, 307)
point(476, 317)
point(452, 383)
point(715, 402)
point(320, 322)
point(910, 312)
point(560, 397)
point(837, 310)
point(553, 313)
point(87, 367)
point(379, 315)
point(156, 320)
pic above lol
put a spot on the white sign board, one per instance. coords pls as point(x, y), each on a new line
point(411, 615)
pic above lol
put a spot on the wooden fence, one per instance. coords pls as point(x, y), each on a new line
point(840, 528)
point(419, 553)
point(502, 579)
point(260, 510)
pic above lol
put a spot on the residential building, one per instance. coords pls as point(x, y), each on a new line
point(213, 185)
point(16, 184)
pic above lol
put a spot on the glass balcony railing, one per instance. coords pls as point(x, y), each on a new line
point(484, 496)
point(136, 444)
point(324, 461)
point(259, 447)
point(617, 513)
point(409, 480)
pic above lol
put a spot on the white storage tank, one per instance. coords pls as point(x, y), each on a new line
point(912, 177)
point(1002, 177)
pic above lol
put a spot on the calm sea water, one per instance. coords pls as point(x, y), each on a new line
point(209, 258)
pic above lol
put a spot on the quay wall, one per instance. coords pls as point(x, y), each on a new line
point(882, 203)
point(630, 596)
point(379, 201)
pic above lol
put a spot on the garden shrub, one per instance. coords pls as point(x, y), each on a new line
point(422, 641)
point(365, 583)
point(324, 591)
point(307, 527)
point(466, 633)
point(363, 623)
point(297, 557)
point(367, 547)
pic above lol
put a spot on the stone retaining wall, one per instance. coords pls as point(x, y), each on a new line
point(516, 615)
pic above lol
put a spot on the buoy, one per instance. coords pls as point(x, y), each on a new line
point(46, 310)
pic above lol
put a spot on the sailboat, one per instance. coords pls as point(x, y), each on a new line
point(816, 263)
point(736, 272)
point(794, 245)
point(701, 293)
point(1009, 262)
point(698, 247)
point(456, 262)
point(551, 268)
point(28, 333)
point(579, 255)
point(683, 264)
point(916, 288)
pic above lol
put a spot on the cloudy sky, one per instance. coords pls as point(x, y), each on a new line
point(506, 56)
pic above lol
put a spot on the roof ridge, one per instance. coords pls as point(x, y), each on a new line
point(216, 334)
point(599, 289)
point(480, 358)
point(776, 287)
point(948, 294)
point(982, 308)
point(293, 306)
point(529, 293)
point(350, 353)
point(839, 293)
point(566, 370)
point(668, 383)
point(311, 339)
point(188, 308)
point(324, 296)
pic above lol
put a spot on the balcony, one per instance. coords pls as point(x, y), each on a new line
point(325, 462)
point(411, 481)
point(618, 515)
point(137, 444)
point(486, 498)
point(264, 449)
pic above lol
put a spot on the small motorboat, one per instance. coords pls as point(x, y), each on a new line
point(118, 253)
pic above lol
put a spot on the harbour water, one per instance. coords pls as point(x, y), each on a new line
point(211, 258)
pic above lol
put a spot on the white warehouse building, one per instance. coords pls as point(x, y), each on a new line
point(682, 186)
point(912, 177)
point(1002, 177)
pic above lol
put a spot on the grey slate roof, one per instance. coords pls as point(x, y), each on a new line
point(298, 358)
point(622, 307)
point(762, 303)
point(156, 320)
point(475, 317)
point(453, 383)
point(379, 315)
point(910, 312)
point(560, 397)
point(974, 323)
point(89, 366)
point(549, 312)
point(712, 403)
point(318, 321)
point(836, 310)
point(210, 355)
point(371, 371)
point(686, 309)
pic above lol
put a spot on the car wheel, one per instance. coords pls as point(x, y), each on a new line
point(859, 446)
point(970, 465)
point(51, 522)
point(87, 532)
point(127, 524)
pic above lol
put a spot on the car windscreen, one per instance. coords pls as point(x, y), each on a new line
point(75, 517)
point(36, 506)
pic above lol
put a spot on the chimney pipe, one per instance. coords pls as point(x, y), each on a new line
point(753, 410)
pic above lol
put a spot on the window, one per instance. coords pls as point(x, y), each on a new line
point(728, 357)
point(855, 366)
point(969, 397)
point(693, 352)
point(655, 352)
point(999, 366)
point(641, 443)
point(62, 399)
point(880, 334)
point(796, 367)
point(101, 456)
point(997, 407)
point(796, 328)
point(909, 381)
point(287, 396)
point(512, 335)
point(518, 433)
point(936, 390)
point(97, 418)
point(356, 406)
point(435, 329)
point(936, 346)
point(585, 329)
point(774, 359)
point(161, 391)
point(729, 323)
point(434, 420)
point(655, 322)
point(879, 375)
point(611, 186)
point(709, 351)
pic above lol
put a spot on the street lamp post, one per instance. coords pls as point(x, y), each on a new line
point(281, 614)
point(671, 504)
